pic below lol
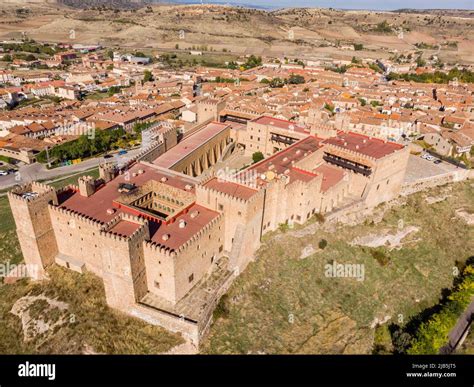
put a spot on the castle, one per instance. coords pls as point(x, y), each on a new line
point(168, 241)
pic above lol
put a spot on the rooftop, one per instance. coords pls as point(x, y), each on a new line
point(189, 145)
point(231, 188)
point(281, 163)
point(365, 145)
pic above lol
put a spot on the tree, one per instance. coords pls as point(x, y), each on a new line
point(322, 244)
point(7, 58)
point(148, 76)
point(257, 156)
point(277, 82)
point(296, 79)
point(30, 58)
point(252, 62)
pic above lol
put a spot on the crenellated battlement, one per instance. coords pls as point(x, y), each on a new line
point(140, 234)
point(226, 196)
point(351, 152)
point(41, 190)
point(76, 215)
point(158, 247)
point(197, 237)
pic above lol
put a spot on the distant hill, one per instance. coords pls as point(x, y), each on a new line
point(107, 3)
point(226, 31)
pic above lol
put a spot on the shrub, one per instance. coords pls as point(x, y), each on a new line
point(322, 244)
point(222, 308)
point(433, 334)
point(257, 156)
point(381, 257)
point(382, 341)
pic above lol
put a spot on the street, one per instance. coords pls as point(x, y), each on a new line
point(37, 171)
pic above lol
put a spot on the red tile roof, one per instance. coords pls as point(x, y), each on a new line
point(278, 123)
point(282, 162)
point(189, 145)
point(96, 206)
point(365, 145)
point(331, 176)
point(231, 188)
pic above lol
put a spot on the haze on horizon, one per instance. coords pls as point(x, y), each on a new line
point(348, 4)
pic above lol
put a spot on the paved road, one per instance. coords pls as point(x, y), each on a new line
point(419, 168)
point(38, 171)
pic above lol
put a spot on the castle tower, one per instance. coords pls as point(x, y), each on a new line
point(107, 171)
point(30, 210)
point(209, 109)
point(86, 186)
point(342, 121)
point(123, 265)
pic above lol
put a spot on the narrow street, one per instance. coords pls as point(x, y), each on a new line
point(39, 171)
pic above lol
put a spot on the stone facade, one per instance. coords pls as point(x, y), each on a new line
point(157, 237)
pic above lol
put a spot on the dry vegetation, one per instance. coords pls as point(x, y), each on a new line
point(88, 325)
point(285, 304)
point(316, 31)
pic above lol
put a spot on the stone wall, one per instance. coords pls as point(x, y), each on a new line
point(33, 224)
point(434, 181)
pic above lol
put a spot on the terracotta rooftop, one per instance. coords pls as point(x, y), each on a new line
point(96, 206)
point(189, 145)
point(331, 176)
point(365, 145)
point(281, 124)
point(171, 235)
point(231, 188)
point(124, 228)
point(282, 162)
point(185, 226)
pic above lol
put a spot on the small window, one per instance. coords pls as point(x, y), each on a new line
point(191, 278)
point(221, 248)
point(157, 284)
point(221, 207)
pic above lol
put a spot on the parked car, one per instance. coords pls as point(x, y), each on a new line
point(29, 195)
point(438, 161)
point(122, 152)
point(108, 156)
point(3, 173)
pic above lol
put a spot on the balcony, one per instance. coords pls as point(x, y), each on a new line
point(283, 139)
point(347, 164)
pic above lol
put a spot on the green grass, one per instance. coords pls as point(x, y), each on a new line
point(9, 246)
point(97, 96)
point(72, 179)
point(282, 304)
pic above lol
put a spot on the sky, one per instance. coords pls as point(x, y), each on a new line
point(354, 4)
